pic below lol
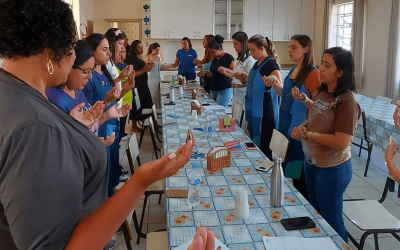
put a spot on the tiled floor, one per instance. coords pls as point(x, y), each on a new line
point(361, 187)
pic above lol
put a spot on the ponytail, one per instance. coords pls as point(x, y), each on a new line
point(271, 51)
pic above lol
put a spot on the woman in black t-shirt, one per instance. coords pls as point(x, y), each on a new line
point(141, 68)
point(221, 86)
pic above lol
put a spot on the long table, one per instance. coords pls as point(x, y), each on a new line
point(218, 188)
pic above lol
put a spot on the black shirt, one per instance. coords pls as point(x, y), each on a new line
point(268, 67)
point(219, 81)
point(53, 170)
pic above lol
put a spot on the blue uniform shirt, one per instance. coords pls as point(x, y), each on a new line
point(186, 61)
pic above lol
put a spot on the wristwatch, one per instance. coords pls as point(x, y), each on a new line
point(309, 134)
point(305, 100)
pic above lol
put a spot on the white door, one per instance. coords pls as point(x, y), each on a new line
point(188, 22)
point(158, 18)
point(251, 17)
point(307, 18)
point(173, 21)
point(293, 18)
point(266, 18)
point(280, 19)
point(204, 18)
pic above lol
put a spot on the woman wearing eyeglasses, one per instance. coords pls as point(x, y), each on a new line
point(69, 95)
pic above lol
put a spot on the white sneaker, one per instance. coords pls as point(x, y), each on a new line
point(126, 137)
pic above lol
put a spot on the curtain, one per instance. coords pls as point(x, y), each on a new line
point(358, 39)
point(392, 74)
point(327, 24)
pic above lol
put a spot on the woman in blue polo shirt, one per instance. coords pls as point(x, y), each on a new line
point(186, 58)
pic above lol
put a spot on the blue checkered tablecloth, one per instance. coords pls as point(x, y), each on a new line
point(380, 123)
point(218, 188)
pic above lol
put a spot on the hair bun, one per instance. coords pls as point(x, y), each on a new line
point(219, 39)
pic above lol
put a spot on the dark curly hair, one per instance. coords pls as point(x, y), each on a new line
point(29, 27)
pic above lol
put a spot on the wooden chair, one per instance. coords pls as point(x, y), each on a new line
point(157, 241)
point(364, 137)
point(371, 217)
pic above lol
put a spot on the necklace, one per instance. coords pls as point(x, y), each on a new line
point(19, 80)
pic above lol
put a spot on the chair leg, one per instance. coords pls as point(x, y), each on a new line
point(353, 240)
point(127, 235)
point(359, 153)
point(142, 217)
point(376, 241)
point(159, 199)
point(141, 136)
point(136, 224)
point(362, 241)
point(130, 160)
point(138, 161)
point(398, 192)
point(369, 158)
point(396, 236)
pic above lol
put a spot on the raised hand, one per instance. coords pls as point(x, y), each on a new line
point(166, 166)
point(112, 95)
point(109, 140)
point(270, 81)
point(90, 116)
point(296, 95)
point(130, 84)
point(204, 240)
point(113, 112)
point(127, 71)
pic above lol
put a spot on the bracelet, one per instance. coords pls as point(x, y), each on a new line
point(309, 134)
point(305, 100)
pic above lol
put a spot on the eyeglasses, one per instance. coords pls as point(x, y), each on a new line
point(88, 73)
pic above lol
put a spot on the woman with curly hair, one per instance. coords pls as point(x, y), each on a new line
point(53, 169)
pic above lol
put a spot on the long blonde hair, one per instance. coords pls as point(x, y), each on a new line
point(260, 41)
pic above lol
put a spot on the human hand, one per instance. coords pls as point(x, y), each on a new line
point(204, 240)
point(221, 70)
point(196, 61)
point(114, 112)
point(241, 76)
point(110, 139)
point(127, 71)
point(200, 73)
point(296, 95)
point(112, 95)
point(208, 74)
point(199, 65)
point(390, 150)
point(90, 116)
point(270, 81)
point(164, 167)
point(130, 84)
point(396, 116)
point(299, 132)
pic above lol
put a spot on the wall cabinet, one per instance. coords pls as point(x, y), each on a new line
point(178, 18)
point(287, 15)
point(228, 17)
point(258, 17)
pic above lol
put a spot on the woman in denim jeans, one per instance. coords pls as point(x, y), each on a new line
point(221, 85)
point(326, 136)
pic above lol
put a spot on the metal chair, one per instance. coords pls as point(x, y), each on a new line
point(157, 187)
point(364, 137)
point(238, 113)
point(152, 135)
point(384, 99)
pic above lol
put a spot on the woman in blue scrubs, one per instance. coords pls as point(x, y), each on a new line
point(101, 88)
point(186, 58)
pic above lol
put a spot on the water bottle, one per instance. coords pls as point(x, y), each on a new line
point(194, 179)
point(207, 131)
point(277, 182)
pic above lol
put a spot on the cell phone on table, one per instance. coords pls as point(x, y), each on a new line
point(250, 146)
point(298, 223)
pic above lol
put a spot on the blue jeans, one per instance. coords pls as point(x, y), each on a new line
point(222, 97)
point(325, 192)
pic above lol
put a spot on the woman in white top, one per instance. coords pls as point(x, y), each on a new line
point(243, 65)
point(153, 57)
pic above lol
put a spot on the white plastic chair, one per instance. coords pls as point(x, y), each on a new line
point(384, 99)
point(371, 217)
point(238, 113)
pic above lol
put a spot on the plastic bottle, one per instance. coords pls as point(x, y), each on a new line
point(207, 131)
point(194, 179)
point(277, 182)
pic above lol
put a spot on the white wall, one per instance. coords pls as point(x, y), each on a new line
point(86, 10)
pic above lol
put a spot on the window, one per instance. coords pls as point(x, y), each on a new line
point(344, 24)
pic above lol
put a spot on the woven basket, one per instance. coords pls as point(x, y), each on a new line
point(195, 107)
point(220, 158)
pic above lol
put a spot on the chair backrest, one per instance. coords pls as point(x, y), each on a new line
point(133, 147)
point(363, 122)
point(154, 114)
point(137, 99)
point(238, 113)
point(384, 99)
point(279, 144)
point(389, 180)
point(152, 130)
